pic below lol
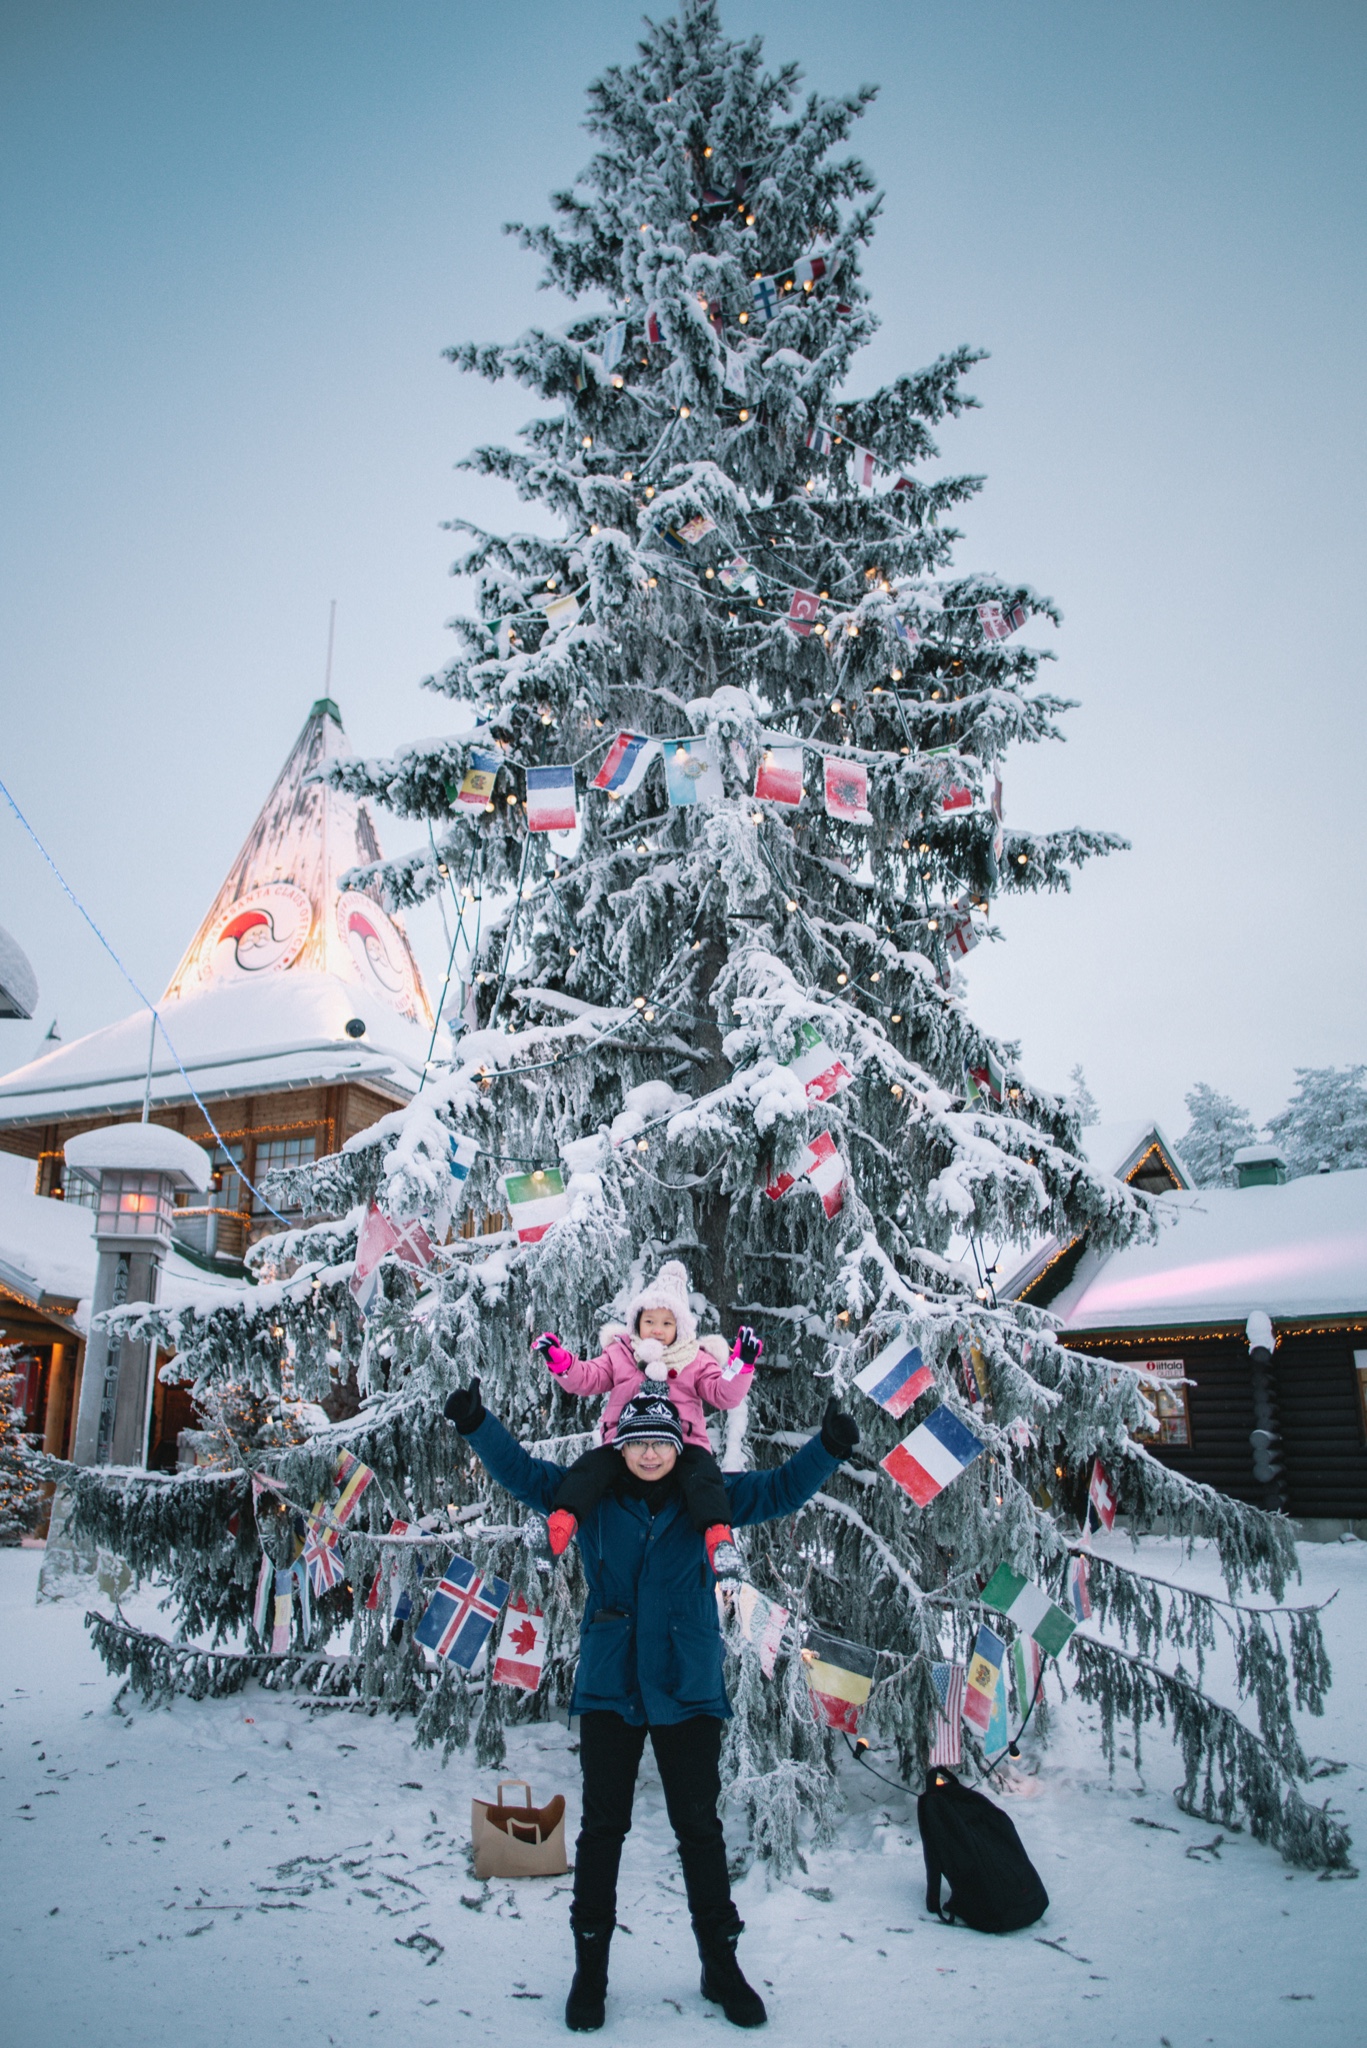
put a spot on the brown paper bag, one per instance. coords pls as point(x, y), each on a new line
point(518, 1841)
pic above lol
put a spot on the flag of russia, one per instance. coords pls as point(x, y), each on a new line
point(630, 754)
point(933, 1456)
point(550, 800)
point(896, 1378)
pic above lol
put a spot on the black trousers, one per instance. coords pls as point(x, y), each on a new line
point(704, 1490)
point(689, 1756)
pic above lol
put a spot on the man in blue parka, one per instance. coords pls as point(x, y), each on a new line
point(650, 1663)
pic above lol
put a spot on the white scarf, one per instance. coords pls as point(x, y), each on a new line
point(658, 1360)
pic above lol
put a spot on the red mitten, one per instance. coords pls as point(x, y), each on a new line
point(557, 1358)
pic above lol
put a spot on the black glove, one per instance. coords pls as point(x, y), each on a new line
point(746, 1349)
point(839, 1432)
point(465, 1408)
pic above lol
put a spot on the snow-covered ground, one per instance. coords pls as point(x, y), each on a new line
point(247, 1871)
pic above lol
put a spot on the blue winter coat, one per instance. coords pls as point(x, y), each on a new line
point(650, 1646)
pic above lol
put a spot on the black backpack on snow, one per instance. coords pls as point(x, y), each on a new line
point(993, 1885)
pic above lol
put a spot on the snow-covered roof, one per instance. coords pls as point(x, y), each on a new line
point(141, 1148)
point(18, 982)
point(280, 1032)
point(48, 1254)
point(285, 958)
point(1297, 1251)
point(1118, 1148)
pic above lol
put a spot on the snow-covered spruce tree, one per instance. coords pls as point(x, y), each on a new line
point(1324, 1126)
point(1218, 1127)
point(635, 1000)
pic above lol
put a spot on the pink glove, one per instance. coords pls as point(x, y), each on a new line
point(557, 1358)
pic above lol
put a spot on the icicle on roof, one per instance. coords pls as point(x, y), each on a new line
point(283, 906)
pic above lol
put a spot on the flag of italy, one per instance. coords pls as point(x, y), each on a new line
point(820, 1071)
point(536, 1201)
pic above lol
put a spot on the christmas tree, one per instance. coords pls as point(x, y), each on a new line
point(719, 1020)
point(23, 1494)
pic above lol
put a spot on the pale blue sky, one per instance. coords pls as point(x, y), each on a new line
point(235, 238)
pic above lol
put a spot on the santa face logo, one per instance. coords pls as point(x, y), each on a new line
point(376, 948)
point(262, 934)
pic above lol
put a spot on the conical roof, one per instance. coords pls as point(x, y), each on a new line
point(291, 981)
point(282, 906)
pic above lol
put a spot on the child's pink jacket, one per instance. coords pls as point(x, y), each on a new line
point(615, 1373)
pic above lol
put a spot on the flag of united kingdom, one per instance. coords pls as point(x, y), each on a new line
point(321, 1557)
point(461, 1613)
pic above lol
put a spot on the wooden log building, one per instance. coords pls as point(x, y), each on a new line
point(1287, 1431)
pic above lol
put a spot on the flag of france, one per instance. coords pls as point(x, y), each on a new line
point(936, 1453)
point(550, 800)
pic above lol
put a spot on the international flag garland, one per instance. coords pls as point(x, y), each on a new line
point(821, 1072)
point(960, 933)
point(1079, 1587)
point(463, 1154)
point(377, 1236)
point(353, 1477)
point(1000, 621)
point(946, 1736)
point(1101, 1501)
point(694, 529)
point(761, 1621)
point(384, 1569)
point(561, 609)
point(462, 1611)
point(481, 773)
point(847, 790)
point(628, 758)
point(521, 1656)
point(551, 800)
point(984, 1076)
point(823, 1166)
point(261, 1605)
point(939, 1451)
point(535, 1201)
point(778, 779)
point(284, 1607)
point(1027, 1663)
point(839, 1677)
point(803, 612)
point(1030, 1608)
point(692, 772)
point(984, 1673)
point(896, 1378)
point(321, 1558)
point(738, 574)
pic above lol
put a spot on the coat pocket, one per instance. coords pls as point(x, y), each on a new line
point(698, 1652)
point(607, 1658)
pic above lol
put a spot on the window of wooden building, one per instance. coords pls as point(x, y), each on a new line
point(1163, 1381)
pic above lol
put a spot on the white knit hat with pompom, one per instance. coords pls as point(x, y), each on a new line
point(669, 1289)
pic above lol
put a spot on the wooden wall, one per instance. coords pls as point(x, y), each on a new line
point(1323, 1448)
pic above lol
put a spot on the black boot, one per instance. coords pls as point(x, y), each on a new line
point(585, 2008)
point(722, 1980)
